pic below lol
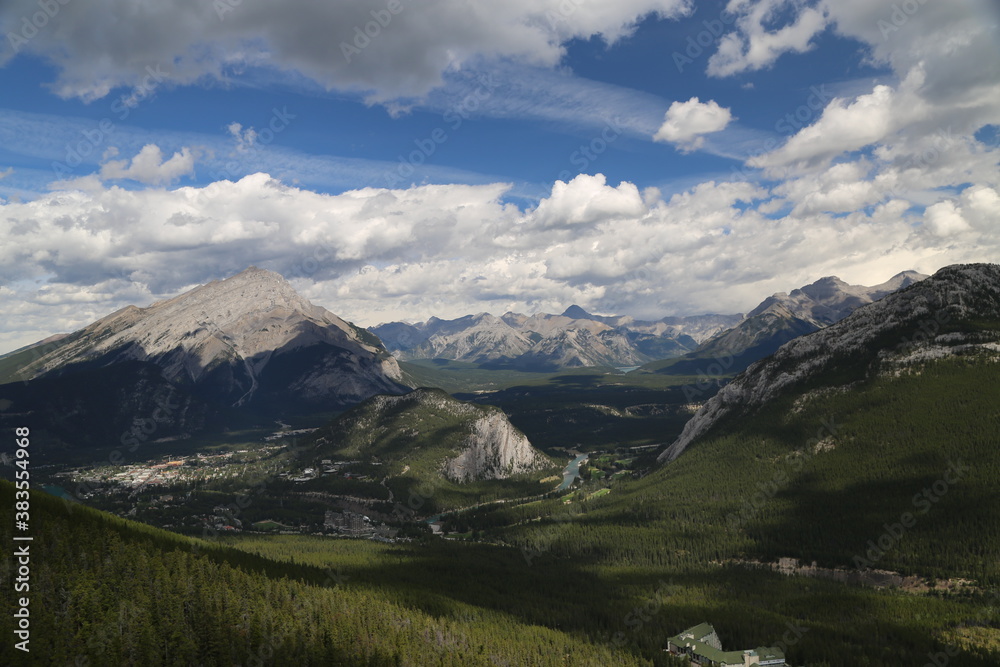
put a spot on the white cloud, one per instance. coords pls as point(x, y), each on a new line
point(149, 167)
point(245, 139)
point(909, 143)
point(843, 126)
point(947, 62)
point(753, 46)
point(944, 219)
point(362, 46)
point(585, 200)
point(374, 254)
point(976, 210)
point(89, 183)
point(686, 122)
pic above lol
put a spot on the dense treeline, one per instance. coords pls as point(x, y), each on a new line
point(593, 581)
point(816, 481)
point(898, 474)
point(109, 592)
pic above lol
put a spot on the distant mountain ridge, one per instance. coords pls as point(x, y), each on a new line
point(575, 338)
point(942, 315)
point(830, 299)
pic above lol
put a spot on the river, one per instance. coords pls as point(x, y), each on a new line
point(571, 472)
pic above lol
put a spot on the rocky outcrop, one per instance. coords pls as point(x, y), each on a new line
point(924, 315)
point(494, 449)
point(433, 435)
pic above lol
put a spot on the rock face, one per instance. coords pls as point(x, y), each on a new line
point(542, 341)
point(493, 449)
point(431, 434)
point(936, 316)
point(477, 338)
point(248, 340)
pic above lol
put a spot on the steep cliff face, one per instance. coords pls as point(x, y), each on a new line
point(958, 306)
point(493, 449)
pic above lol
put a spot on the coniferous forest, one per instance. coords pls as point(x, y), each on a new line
point(588, 577)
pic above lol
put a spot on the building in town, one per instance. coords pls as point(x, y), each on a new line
point(702, 646)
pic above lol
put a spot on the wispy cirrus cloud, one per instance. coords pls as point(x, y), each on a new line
point(59, 148)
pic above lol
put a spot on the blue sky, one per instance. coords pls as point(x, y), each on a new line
point(524, 125)
point(653, 157)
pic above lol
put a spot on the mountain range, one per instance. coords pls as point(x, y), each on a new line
point(855, 466)
point(577, 338)
point(544, 341)
point(935, 317)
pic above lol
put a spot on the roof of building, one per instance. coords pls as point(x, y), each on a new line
point(770, 653)
point(715, 655)
point(691, 636)
point(697, 632)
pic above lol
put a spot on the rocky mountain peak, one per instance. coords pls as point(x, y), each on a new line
point(898, 282)
point(575, 312)
point(829, 287)
point(230, 329)
point(831, 299)
point(250, 291)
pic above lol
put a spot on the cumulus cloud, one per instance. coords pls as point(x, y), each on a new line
point(976, 210)
point(843, 188)
point(944, 219)
point(585, 200)
point(908, 143)
point(845, 125)
point(685, 123)
point(947, 62)
point(387, 50)
point(149, 166)
point(377, 254)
